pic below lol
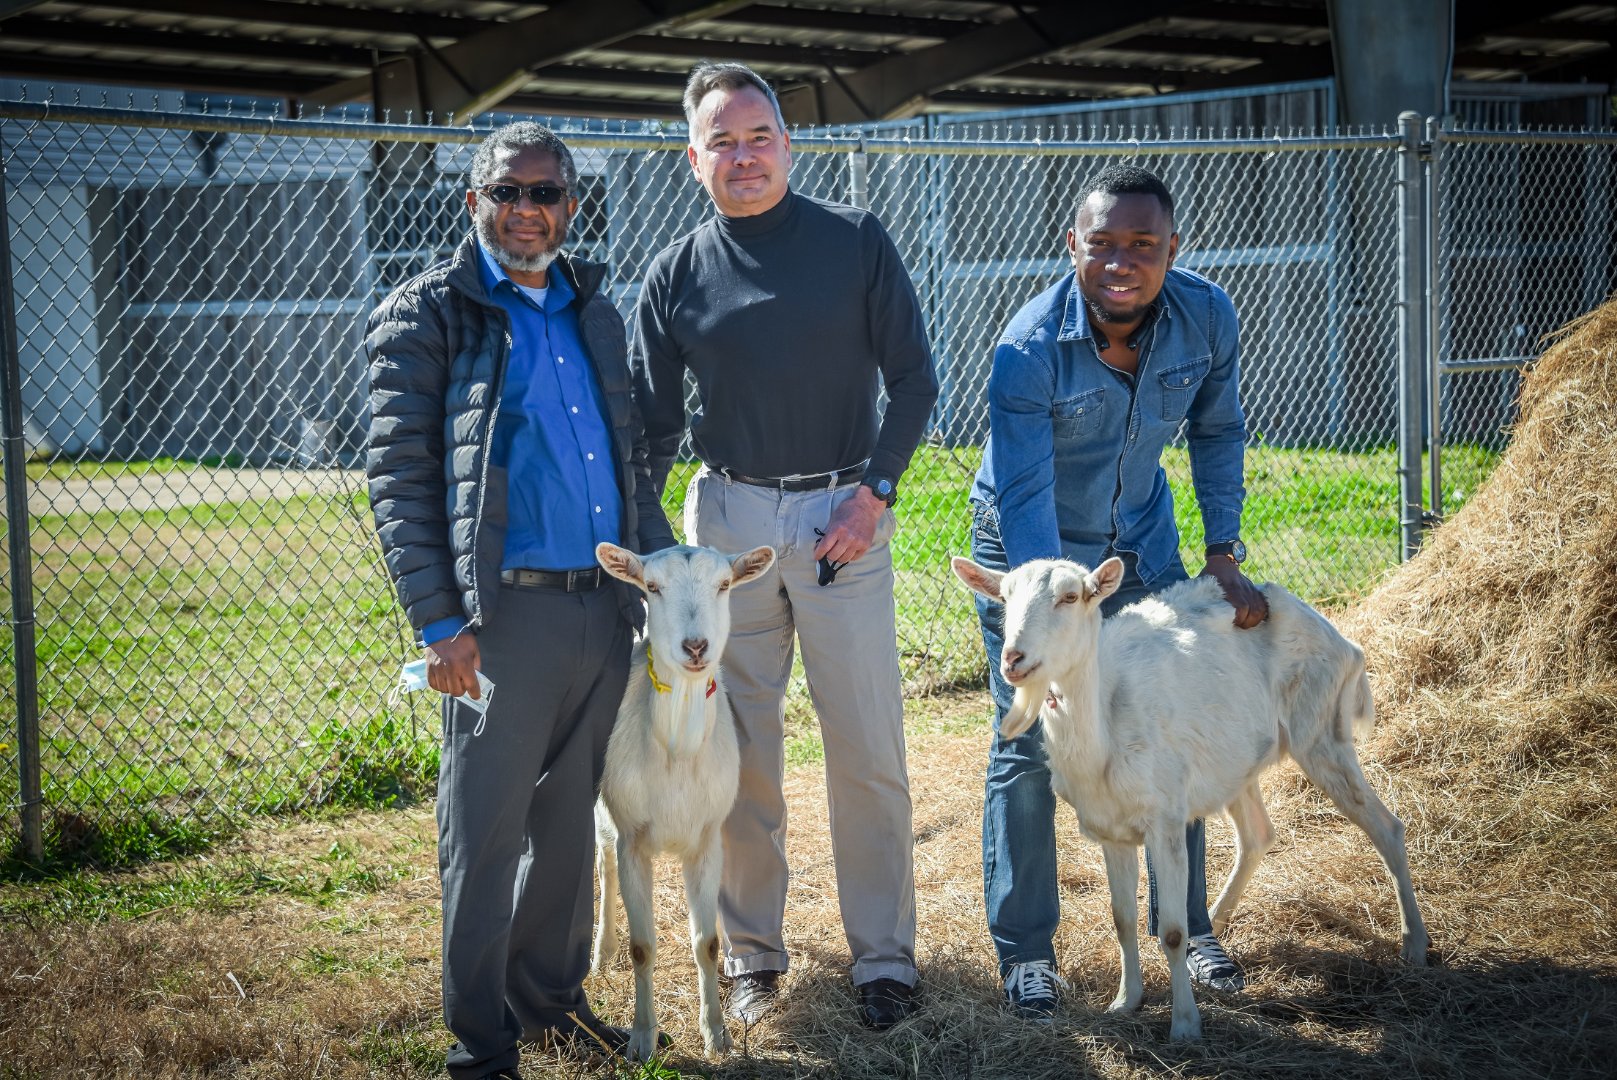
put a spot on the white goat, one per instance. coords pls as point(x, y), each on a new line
point(671, 767)
point(1167, 712)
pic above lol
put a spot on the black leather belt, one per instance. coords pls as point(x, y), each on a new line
point(826, 481)
point(567, 580)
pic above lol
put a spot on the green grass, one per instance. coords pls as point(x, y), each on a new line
point(225, 659)
point(215, 884)
point(70, 469)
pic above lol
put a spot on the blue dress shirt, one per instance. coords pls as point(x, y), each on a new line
point(552, 448)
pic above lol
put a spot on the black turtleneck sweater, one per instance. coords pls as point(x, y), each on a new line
point(785, 319)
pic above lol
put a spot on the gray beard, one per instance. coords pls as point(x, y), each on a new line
point(522, 264)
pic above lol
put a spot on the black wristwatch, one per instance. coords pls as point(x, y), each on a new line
point(1233, 550)
point(881, 487)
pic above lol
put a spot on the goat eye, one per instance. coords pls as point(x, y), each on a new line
point(653, 587)
point(724, 586)
point(1068, 598)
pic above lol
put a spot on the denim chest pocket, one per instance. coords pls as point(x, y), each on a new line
point(1178, 387)
point(1077, 416)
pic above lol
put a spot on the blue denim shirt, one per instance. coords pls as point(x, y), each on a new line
point(1073, 463)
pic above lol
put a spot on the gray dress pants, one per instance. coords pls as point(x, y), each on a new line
point(516, 831)
point(850, 657)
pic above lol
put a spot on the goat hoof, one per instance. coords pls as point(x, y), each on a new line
point(642, 1045)
point(717, 1043)
point(1185, 1030)
point(1414, 952)
point(1121, 1004)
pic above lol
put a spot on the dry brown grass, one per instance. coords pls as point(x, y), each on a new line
point(1493, 655)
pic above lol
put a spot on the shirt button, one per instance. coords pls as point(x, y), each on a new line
point(575, 408)
point(597, 509)
point(591, 457)
point(561, 360)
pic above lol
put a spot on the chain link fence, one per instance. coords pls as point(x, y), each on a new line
point(199, 607)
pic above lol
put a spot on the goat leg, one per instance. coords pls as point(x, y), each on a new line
point(634, 869)
point(606, 863)
point(1123, 876)
point(1165, 841)
point(702, 899)
point(1334, 767)
point(1254, 836)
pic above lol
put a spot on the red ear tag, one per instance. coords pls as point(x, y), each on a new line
point(712, 685)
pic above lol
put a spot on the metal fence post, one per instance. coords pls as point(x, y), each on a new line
point(859, 176)
point(1434, 319)
point(1411, 328)
point(19, 551)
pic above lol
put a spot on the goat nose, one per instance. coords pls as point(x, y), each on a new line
point(1013, 659)
point(695, 648)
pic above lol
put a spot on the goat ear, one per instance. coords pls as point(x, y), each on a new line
point(751, 564)
point(979, 578)
point(621, 563)
point(1104, 579)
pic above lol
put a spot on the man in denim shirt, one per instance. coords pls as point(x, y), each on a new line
point(1090, 381)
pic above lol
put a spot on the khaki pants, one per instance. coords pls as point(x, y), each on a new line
point(850, 655)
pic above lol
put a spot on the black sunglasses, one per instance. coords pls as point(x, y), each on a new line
point(538, 194)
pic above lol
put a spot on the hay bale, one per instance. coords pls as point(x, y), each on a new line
point(1516, 596)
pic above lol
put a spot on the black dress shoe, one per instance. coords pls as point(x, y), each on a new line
point(884, 1002)
point(752, 994)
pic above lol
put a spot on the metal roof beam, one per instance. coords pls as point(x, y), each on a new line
point(473, 75)
point(1479, 18)
point(747, 51)
point(8, 8)
point(323, 16)
point(231, 80)
point(1308, 18)
point(899, 86)
point(850, 22)
point(80, 34)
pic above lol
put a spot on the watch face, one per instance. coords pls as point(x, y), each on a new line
point(1238, 552)
point(884, 488)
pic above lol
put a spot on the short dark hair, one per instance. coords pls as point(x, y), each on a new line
point(520, 136)
point(1126, 180)
point(707, 77)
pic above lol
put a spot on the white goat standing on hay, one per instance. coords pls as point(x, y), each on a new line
point(672, 767)
point(1167, 712)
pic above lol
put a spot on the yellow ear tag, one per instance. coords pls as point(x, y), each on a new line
point(662, 687)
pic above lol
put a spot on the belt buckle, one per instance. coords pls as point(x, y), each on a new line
point(577, 580)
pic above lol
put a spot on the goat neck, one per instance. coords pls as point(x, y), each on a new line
point(683, 708)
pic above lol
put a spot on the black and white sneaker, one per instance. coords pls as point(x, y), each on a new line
point(1034, 990)
point(1211, 966)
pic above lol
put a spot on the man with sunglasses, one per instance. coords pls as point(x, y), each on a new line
point(792, 314)
point(1090, 382)
point(504, 445)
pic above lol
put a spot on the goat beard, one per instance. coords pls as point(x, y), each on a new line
point(683, 727)
point(1026, 705)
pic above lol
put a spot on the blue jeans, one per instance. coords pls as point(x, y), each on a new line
point(1019, 808)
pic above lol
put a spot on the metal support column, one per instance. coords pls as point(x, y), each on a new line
point(19, 549)
point(1411, 329)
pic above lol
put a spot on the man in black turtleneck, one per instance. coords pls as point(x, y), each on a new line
point(792, 314)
